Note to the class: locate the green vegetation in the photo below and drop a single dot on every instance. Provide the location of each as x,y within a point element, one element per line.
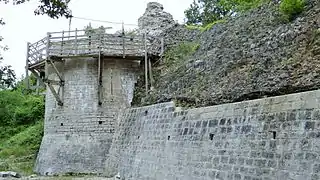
<point>173,60</point>
<point>204,12</point>
<point>21,128</point>
<point>291,8</point>
<point>239,6</point>
<point>179,53</point>
<point>206,27</point>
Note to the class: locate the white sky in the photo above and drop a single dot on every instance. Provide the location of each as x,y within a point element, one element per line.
<point>23,26</point>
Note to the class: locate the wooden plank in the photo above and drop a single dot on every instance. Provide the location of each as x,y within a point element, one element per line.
<point>55,94</point>
<point>36,65</point>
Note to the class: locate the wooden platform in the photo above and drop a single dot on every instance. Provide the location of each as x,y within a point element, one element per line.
<point>58,46</point>
<point>78,43</point>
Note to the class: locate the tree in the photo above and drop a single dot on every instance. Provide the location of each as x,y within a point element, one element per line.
<point>52,8</point>
<point>193,14</point>
<point>207,11</point>
<point>7,74</point>
<point>7,77</point>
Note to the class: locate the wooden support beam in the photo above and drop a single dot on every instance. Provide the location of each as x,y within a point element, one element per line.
<point>99,80</point>
<point>146,62</point>
<point>150,74</point>
<point>55,94</point>
<point>37,76</point>
<point>38,85</point>
<point>56,70</point>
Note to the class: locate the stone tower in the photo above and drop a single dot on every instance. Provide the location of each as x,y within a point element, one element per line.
<point>89,78</point>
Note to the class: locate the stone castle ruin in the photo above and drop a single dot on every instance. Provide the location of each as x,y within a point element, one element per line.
<point>90,78</point>
<point>91,128</point>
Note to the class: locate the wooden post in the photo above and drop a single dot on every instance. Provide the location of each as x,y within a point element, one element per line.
<point>89,43</point>
<point>150,74</point>
<point>162,47</point>
<point>61,50</point>
<point>99,80</point>
<point>47,58</point>
<point>146,61</point>
<point>27,68</point>
<point>38,85</point>
<point>76,43</point>
<point>123,41</point>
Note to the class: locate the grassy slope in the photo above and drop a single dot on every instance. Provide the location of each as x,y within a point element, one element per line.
<point>21,130</point>
<point>18,153</point>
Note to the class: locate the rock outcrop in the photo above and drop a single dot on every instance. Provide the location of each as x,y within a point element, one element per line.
<point>155,20</point>
<point>254,55</point>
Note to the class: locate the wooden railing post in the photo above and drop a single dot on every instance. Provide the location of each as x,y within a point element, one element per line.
<point>61,50</point>
<point>47,56</point>
<point>89,44</point>
<point>76,43</point>
<point>123,41</point>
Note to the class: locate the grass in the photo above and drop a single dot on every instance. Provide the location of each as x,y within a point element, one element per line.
<point>18,153</point>
<point>206,27</point>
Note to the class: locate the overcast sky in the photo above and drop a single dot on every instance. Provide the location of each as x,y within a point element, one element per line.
<point>23,26</point>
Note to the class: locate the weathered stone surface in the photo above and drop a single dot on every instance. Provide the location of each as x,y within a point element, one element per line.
<point>269,138</point>
<point>250,56</point>
<point>155,20</point>
<point>77,135</point>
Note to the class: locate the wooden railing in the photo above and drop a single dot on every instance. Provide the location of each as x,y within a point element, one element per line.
<point>80,43</point>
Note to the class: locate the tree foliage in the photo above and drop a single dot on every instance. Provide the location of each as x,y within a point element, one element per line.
<point>7,77</point>
<point>207,11</point>
<point>292,8</point>
<point>52,8</point>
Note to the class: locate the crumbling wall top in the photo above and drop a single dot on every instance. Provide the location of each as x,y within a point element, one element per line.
<point>155,20</point>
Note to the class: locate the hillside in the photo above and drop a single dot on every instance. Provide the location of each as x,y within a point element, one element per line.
<point>21,130</point>
<point>254,55</point>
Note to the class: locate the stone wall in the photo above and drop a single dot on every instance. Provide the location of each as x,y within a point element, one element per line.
<point>78,135</point>
<point>264,139</point>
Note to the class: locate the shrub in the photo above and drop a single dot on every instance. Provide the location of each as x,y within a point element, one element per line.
<point>206,27</point>
<point>291,8</point>
<point>210,25</point>
<point>178,53</point>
